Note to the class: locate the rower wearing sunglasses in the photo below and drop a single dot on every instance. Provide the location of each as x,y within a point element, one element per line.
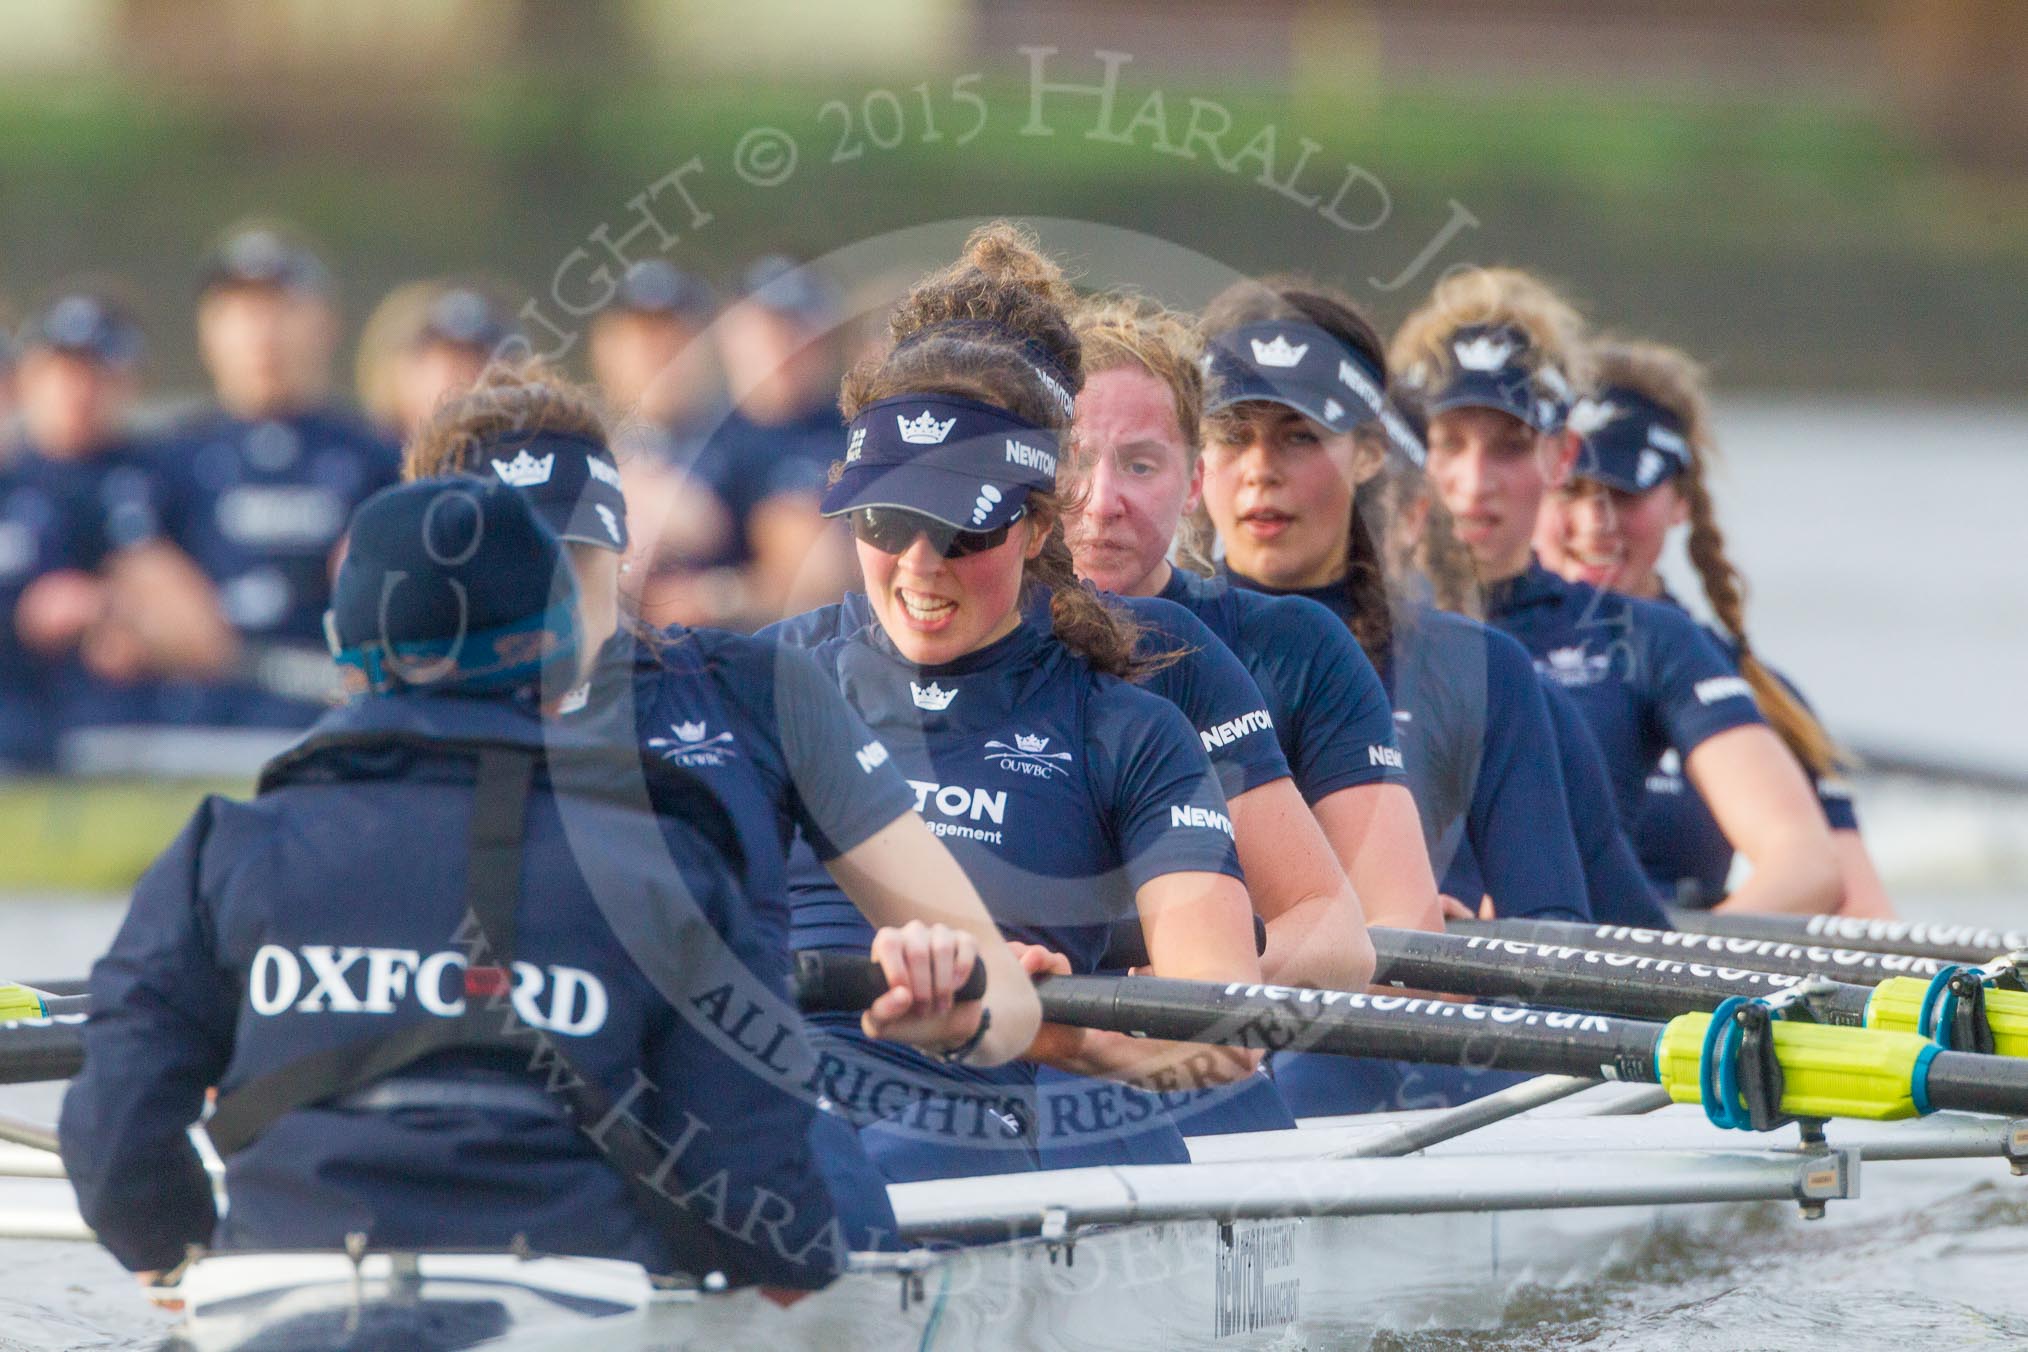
<point>1072,799</point>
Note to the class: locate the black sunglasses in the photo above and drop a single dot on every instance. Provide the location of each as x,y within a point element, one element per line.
<point>891,530</point>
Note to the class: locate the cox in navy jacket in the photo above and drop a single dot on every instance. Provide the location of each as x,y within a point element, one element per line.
<point>327,911</point>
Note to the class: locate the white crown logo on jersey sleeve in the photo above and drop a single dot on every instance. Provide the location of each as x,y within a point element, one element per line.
<point>1280,352</point>
<point>932,697</point>
<point>925,430</point>
<point>1484,353</point>
<point>524,470</point>
<point>1588,415</point>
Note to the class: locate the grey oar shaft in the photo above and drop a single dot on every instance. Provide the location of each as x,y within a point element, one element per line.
<point>1639,985</point>
<point>1778,956</point>
<point>1945,943</point>
<point>1408,1137</point>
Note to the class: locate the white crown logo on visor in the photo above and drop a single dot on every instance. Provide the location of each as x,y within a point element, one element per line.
<point>932,697</point>
<point>1279,352</point>
<point>1588,415</point>
<point>1484,353</point>
<point>925,430</point>
<point>524,470</point>
<point>1030,744</point>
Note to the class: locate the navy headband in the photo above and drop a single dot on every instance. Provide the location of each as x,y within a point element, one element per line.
<point>571,481</point>
<point>1308,368</point>
<point>1629,441</point>
<point>1051,373</point>
<point>967,464</point>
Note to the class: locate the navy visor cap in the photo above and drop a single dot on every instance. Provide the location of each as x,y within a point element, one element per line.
<point>1306,368</point>
<point>964,463</point>
<point>85,324</point>
<point>1627,440</point>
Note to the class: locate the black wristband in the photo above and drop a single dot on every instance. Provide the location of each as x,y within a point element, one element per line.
<point>952,1056</point>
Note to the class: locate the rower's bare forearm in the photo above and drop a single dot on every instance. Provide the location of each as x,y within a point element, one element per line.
<point>1320,942</point>
<point>1146,1063</point>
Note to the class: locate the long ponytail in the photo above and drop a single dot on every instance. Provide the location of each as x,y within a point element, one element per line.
<point>1676,382</point>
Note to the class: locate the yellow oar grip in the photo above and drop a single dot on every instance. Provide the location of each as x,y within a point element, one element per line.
<point>19,1002</point>
<point>1826,1071</point>
<point>1897,1002</point>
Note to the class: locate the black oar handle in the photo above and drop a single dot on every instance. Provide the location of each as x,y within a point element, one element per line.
<point>1807,958</point>
<point>1128,947</point>
<point>1974,944</point>
<point>846,983</point>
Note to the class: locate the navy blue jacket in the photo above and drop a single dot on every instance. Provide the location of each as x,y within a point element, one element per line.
<point>57,514</point>
<point>328,910</point>
<point>259,507</point>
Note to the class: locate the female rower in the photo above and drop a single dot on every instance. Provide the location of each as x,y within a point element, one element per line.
<point>376,957</point>
<point>1495,355</point>
<point>757,722</point>
<point>1641,472</point>
<point>1420,542</point>
<point>1139,476</point>
<point>1073,799</point>
<point>1296,437</point>
<point>1295,441</point>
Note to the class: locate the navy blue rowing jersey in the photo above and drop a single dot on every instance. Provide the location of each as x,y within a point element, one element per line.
<point>1058,790</point>
<point>1480,756</point>
<point>1203,678</point>
<point>1645,676</point>
<point>1680,841</point>
<point>1330,710</point>
<point>760,724</point>
<point>745,463</point>
<point>260,506</point>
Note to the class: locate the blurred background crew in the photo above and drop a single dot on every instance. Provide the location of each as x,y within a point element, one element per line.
<point>259,489</point>
<point>425,342</point>
<point>769,461</point>
<point>100,603</point>
<point>7,430</point>
<point>657,370</point>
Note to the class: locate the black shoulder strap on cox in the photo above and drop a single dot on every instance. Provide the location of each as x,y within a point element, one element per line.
<point>241,1117</point>
<point>493,893</point>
